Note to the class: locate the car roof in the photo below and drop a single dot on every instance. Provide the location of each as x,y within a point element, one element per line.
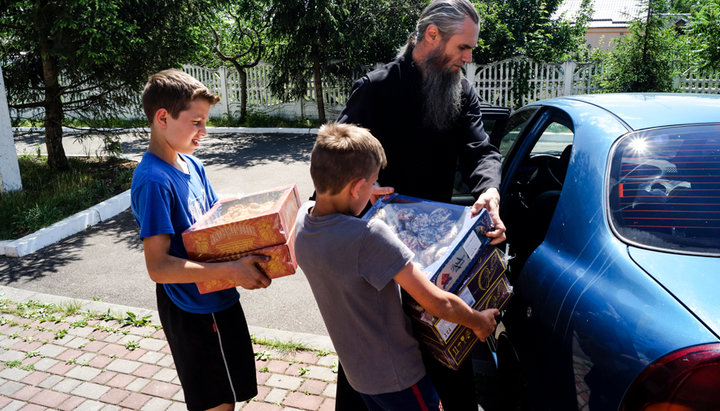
<point>646,110</point>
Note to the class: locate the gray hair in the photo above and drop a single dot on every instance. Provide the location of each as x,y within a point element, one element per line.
<point>447,15</point>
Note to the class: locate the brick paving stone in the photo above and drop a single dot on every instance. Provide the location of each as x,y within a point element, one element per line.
<point>113,350</point>
<point>135,354</point>
<point>160,389</point>
<point>321,373</point>
<point>137,385</point>
<point>277,366</point>
<point>134,401</point>
<point>14,405</point>
<point>4,401</point>
<point>90,405</point>
<point>66,385</point>
<point>294,369</point>
<point>114,396</point>
<point>262,377</point>
<point>9,388</point>
<point>302,401</point>
<point>81,331</point>
<point>167,361</point>
<point>276,396</point>
<point>14,374</point>
<point>12,355</point>
<point>50,399</point>
<point>121,380</point>
<point>94,346</point>
<point>100,361</point>
<point>284,381</point>
<point>69,354</point>
<point>261,406</point>
<point>307,357</point>
<point>176,406</point>
<point>159,334</point>
<point>85,358</point>
<point>166,349</point>
<point>25,393</point>
<point>327,405</point>
<point>165,374</point>
<point>72,403</point>
<point>60,368</point>
<point>50,381</point>
<point>32,407</point>
<point>113,338</point>
<point>330,391</point>
<point>90,390</point>
<point>44,364</point>
<point>155,404</point>
<point>83,373</point>
<point>26,346</point>
<point>123,366</point>
<point>77,342</point>
<point>51,350</point>
<point>151,357</point>
<point>146,370</point>
<point>104,377</point>
<point>152,344</point>
<point>328,360</point>
<point>262,392</point>
<point>314,387</point>
<point>35,378</point>
<point>180,396</point>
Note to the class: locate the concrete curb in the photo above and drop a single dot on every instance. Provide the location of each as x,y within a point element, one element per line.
<point>312,341</point>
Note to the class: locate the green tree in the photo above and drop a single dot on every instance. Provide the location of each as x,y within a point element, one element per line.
<point>88,58</point>
<point>325,39</point>
<point>643,60</point>
<point>512,28</point>
<point>704,35</point>
<point>240,39</point>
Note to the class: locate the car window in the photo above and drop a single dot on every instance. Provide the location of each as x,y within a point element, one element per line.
<point>553,140</point>
<point>516,124</point>
<point>665,189</point>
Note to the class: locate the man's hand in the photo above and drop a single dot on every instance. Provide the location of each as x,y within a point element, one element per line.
<point>248,274</point>
<point>378,191</point>
<point>487,325</point>
<point>490,200</point>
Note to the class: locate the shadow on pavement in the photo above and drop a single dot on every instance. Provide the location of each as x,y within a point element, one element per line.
<point>243,151</point>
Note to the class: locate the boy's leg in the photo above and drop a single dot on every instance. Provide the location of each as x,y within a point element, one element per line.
<point>455,388</point>
<point>346,398</point>
<point>213,356</point>
<point>420,397</point>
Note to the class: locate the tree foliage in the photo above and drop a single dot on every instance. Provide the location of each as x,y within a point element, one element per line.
<point>643,60</point>
<point>88,58</point>
<point>704,34</point>
<point>319,40</point>
<point>511,28</point>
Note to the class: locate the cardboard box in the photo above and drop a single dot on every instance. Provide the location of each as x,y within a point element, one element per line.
<point>485,287</point>
<point>282,262</point>
<point>446,239</point>
<point>240,224</point>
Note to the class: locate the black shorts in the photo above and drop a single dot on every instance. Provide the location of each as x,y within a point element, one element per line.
<point>212,352</point>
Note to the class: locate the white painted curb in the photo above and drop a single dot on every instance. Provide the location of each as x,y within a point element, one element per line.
<point>67,227</point>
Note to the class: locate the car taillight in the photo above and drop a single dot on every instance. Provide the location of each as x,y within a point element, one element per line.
<point>687,379</point>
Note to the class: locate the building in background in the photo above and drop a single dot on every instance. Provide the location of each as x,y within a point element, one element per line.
<point>610,19</point>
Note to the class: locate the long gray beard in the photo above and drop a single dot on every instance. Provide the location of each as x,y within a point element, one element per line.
<point>442,93</point>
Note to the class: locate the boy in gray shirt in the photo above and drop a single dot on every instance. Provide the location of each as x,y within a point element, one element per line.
<point>354,268</point>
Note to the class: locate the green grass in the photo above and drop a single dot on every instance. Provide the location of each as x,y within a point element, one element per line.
<point>47,198</point>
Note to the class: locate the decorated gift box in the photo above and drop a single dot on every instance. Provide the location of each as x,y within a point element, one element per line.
<point>445,238</point>
<point>486,287</point>
<point>281,263</point>
<point>237,225</point>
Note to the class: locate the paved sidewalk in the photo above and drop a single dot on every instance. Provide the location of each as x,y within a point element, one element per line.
<point>69,354</point>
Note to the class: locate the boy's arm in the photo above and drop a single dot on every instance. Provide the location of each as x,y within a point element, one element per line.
<point>165,268</point>
<point>445,305</point>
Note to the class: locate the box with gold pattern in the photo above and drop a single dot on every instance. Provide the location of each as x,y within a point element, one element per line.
<point>240,224</point>
<point>486,287</point>
<point>282,262</point>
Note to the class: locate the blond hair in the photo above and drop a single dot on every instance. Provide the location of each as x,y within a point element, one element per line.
<point>173,90</point>
<point>343,153</point>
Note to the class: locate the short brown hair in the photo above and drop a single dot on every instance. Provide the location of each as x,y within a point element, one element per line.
<point>173,90</point>
<point>342,153</point>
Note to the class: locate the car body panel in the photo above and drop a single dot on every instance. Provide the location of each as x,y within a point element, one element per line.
<point>697,288</point>
<point>587,317</point>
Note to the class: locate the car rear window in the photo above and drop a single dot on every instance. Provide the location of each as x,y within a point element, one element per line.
<point>665,188</point>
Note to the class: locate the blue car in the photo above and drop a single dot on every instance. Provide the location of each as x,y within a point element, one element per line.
<point>612,207</point>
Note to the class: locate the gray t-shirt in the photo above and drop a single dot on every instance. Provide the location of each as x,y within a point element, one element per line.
<point>350,264</point>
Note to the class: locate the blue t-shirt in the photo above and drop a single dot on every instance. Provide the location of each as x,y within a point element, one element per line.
<point>167,201</point>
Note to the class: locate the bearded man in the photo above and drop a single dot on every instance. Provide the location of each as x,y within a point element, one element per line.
<point>427,117</point>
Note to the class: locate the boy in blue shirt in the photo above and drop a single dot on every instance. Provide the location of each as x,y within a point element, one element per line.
<point>207,333</point>
<point>355,268</point>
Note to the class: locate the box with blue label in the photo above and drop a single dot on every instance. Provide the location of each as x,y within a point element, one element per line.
<point>445,238</point>
<point>486,286</point>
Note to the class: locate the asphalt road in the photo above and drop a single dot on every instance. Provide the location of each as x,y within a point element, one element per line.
<point>106,262</point>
